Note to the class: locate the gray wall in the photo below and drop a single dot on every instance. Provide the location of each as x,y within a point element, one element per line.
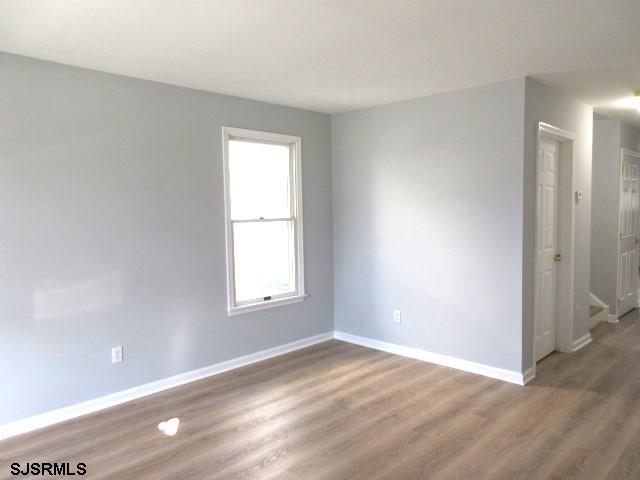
<point>609,136</point>
<point>113,233</point>
<point>427,210</point>
<point>604,209</point>
<point>542,104</point>
<point>629,137</point>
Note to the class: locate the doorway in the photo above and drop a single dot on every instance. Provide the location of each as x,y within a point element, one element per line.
<point>629,231</point>
<point>553,317</point>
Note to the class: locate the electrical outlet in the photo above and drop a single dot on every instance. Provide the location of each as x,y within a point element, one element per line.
<point>397,316</point>
<point>116,354</point>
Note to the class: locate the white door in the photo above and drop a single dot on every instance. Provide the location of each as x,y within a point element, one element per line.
<point>628,250</point>
<point>547,255</point>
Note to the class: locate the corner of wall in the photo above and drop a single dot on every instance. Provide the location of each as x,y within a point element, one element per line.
<point>545,104</point>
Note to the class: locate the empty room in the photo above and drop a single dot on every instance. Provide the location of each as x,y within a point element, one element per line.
<point>320,239</point>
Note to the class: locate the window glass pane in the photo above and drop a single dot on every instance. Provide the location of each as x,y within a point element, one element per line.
<point>264,259</point>
<point>259,180</point>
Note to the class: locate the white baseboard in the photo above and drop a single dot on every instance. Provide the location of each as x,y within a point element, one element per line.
<point>595,300</point>
<point>529,375</point>
<point>613,318</point>
<point>73,411</point>
<point>581,342</point>
<point>603,315</point>
<point>426,356</point>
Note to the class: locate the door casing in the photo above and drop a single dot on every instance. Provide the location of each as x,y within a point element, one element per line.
<point>630,153</point>
<point>566,239</point>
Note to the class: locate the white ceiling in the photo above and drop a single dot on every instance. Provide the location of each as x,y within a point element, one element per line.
<point>337,55</point>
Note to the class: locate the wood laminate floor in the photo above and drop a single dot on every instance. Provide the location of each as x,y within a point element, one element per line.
<point>338,411</point>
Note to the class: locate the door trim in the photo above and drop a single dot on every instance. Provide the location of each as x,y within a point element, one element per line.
<point>631,153</point>
<point>566,239</point>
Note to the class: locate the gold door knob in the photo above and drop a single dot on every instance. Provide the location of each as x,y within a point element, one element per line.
<point>557,257</point>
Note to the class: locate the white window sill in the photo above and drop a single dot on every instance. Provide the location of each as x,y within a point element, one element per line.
<point>254,307</point>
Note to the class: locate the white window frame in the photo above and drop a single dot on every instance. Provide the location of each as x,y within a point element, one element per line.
<point>295,165</point>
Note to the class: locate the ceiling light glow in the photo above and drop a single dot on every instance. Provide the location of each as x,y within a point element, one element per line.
<point>630,102</point>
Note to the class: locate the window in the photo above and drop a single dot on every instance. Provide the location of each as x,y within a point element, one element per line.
<point>263,208</point>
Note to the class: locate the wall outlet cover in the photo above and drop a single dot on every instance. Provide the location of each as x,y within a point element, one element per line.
<point>116,354</point>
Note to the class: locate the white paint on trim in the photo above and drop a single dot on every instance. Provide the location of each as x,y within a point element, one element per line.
<point>623,152</point>
<point>595,300</point>
<point>529,374</point>
<point>555,132</point>
<point>296,218</point>
<point>613,318</point>
<point>581,342</point>
<point>254,307</point>
<point>566,232</point>
<point>437,358</point>
<point>602,316</point>
<point>73,411</point>
<point>80,409</point>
